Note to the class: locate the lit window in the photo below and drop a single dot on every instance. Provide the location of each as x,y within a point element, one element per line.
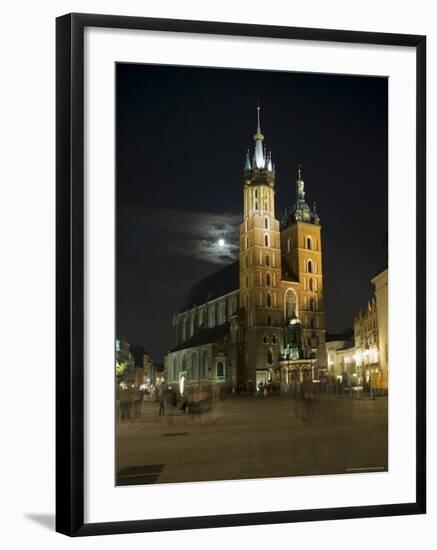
<point>205,366</point>
<point>220,370</point>
<point>194,372</point>
<point>211,316</point>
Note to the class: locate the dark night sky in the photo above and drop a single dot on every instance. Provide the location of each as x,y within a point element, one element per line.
<point>182,135</point>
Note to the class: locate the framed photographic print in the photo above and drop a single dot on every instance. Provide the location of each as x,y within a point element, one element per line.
<point>240,274</point>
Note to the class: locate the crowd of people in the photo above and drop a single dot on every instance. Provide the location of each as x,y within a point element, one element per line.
<point>129,399</point>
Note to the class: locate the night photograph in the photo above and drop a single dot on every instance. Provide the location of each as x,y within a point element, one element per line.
<point>251,274</point>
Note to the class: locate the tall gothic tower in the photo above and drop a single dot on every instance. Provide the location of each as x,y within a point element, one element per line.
<point>260,260</point>
<point>302,250</point>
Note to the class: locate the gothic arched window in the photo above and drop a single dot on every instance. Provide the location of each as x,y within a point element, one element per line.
<point>290,304</point>
<point>266,222</point>
<point>194,371</point>
<point>309,243</point>
<point>310,266</point>
<point>220,369</point>
<point>211,316</point>
<point>267,260</point>
<point>269,357</point>
<point>266,240</point>
<point>205,365</point>
<point>269,300</point>
<point>268,279</point>
<point>222,313</point>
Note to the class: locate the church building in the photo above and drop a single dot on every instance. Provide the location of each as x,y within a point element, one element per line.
<point>260,319</point>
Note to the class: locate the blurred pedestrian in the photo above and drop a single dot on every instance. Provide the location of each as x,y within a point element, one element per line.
<point>138,397</point>
<point>125,402</point>
<point>161,402</point>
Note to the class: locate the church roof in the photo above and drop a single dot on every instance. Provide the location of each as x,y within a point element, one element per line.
<point>223,281</point>
<point>207,336</point>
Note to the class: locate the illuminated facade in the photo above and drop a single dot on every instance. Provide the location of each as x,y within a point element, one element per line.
<point>260,319</point>
<point>342,361</point>
<point>367,342</point>
<point>380,282</point>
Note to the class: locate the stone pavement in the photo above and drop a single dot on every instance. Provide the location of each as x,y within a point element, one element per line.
<point>254,437</point>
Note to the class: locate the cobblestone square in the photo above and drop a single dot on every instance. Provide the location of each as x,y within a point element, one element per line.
<point>254,437</point>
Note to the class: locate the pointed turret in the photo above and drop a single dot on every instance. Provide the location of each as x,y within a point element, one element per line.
<point>300,210</point>
<point>248,164</point>
<point>269,162</point>
<point>300,193</point>
<point>315,215</point>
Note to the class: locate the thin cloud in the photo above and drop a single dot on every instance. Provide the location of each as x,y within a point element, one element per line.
<point>204,236</point>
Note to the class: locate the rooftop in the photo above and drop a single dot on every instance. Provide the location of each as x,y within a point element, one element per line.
<point>223,281</point>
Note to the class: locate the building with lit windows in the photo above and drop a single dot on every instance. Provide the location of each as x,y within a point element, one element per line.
<point>380,282</point>
<point>367,342</point>
<point>260,319</point>
<point>341,355</point>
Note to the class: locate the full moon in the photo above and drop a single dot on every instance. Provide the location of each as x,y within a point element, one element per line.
<point>221,242</point>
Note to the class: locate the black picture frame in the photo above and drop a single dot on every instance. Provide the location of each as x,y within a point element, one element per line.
<point>70,273</point>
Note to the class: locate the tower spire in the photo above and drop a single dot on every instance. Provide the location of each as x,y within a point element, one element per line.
<point>260,160</point>
<point>300,193</point>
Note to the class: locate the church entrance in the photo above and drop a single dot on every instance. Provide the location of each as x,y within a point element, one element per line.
<point>262,376</point>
